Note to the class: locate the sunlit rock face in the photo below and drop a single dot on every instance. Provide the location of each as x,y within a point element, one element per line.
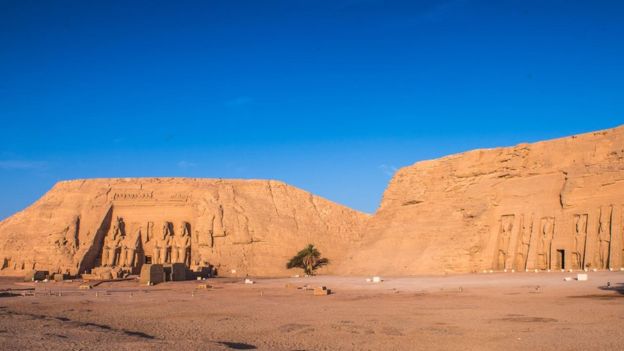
<point>239,227</point>
<point>548,205</point>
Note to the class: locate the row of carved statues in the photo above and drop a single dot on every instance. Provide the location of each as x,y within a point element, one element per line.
<point>122,249</point>
<point>544,242</point>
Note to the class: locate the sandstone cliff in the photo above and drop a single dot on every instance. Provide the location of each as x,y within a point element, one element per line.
<point>546,205</point>
<point>240,226</point>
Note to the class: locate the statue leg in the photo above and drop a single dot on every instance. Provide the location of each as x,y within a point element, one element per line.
<point>163,255</point>
<point>104,262</point>
<point>186,257</point>
<point>111,257</point>
<point>174,255</point>
<point>130,257</point>
<point>122,257</point>
<point>116,257</point>
<point>578,259</point>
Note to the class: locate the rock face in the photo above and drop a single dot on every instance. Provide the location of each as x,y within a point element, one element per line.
<point>238,226</point>
<point>549,205</point>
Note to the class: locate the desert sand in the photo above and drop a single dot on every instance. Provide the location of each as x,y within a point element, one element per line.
<point>471,247</point>
<point>510,311</point>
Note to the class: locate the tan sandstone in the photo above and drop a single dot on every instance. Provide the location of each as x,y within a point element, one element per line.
<point>238,227</point>
<point>550,205</point>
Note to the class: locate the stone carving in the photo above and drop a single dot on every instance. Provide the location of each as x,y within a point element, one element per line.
<point>132,195</point>
<point>556,178</point>
<point>130,244</point>
<point>212,224</point>
<point>580,240</point>
<point>182,197</point>
<point>504,238</point>
<point>150,232</point>
<point>217,228</point>
<point>450,229</point>
<point>604,237</point>
<point>182,245</point>
<point>524,243</point>
<point>124,250</point>
<point>112,244</point>
<point>162,245</point>
<point>544,251</point>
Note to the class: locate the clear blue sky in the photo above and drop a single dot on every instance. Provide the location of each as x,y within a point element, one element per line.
<point>330,96</point>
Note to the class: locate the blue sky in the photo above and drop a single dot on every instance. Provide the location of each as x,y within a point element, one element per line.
<point>330,96</point>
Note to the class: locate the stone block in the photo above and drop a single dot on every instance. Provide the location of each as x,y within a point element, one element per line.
<point>581,277</point>
<point>321,291</point>
<point>178,272</point>
<point>59,277</point>
<point>106,273</point>
<point>152,273</point>
<point>89,276</point>
<point>377,280</point>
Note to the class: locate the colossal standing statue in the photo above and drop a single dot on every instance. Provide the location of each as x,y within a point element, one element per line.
<point>580,235</point>
<point>184,245</point>
<point>130,244</point>
<point>546,236</point>
<point>162,244</point>
<point>504,238</point>
<point>604,235</point>
<point>110,253</point>
<point>525,243</point>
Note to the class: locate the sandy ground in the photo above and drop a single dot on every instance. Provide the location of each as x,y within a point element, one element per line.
<point>511,311</point>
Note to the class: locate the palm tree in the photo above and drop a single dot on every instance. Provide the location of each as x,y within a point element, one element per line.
<point>309,259</point>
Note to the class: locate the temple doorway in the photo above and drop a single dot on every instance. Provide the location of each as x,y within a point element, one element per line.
<point>560,259</point>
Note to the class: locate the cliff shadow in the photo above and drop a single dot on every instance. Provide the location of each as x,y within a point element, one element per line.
<point>90,258</point>
<point>618,288</point>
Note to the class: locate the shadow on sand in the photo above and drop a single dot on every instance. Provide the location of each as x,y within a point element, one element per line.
<point>237,345</point>
<point>618,287</point>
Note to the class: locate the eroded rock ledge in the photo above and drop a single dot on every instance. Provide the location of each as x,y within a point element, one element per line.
<point>239,226</point>
<point>548,205</point>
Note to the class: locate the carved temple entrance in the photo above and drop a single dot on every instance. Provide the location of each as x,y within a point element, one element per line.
<point>560,260</point>
<point>125,248</point>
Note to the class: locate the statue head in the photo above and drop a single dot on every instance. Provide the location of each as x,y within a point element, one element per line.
<point>183,229</point>
<point>165,230</point>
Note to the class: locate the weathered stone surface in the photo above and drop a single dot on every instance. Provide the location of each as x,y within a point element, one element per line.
<point>321,291</point>
<point>152,274</point>
<point>549,205</point>
<point>178,272</point>
<point>245,226</point>
<point>531,206</point>
<point>59,277</point>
